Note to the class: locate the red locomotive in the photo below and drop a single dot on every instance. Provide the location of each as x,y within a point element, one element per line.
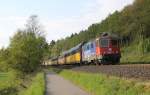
<point>107,49</point>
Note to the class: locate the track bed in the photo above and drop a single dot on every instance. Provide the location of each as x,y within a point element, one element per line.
<point>137,71</point>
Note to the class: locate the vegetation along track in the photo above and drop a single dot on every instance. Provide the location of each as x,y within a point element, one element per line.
<point>137,71</point>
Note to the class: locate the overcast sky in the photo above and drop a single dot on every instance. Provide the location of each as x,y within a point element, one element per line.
<point>60,18</point>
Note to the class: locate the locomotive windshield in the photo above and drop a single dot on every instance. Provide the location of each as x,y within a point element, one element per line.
<point>114,43</point>
<point>104,42</point>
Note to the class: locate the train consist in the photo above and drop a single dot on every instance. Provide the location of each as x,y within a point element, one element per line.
<point>102,50</point>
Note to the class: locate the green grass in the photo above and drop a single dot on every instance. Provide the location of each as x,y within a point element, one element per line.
<point>37,86</point>
<point>8,79</point>
<point>99,84</point>
<point>131,54</point>
<point>8,83</point>
<point>135,58</point>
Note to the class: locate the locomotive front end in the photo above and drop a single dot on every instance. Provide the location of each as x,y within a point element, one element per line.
<point>107,49</point>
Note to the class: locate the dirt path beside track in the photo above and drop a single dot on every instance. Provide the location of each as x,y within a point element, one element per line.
<point>56,85</point>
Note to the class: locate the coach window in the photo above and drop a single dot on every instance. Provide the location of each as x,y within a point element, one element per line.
<point>84,48</point>
<point>92,45</point>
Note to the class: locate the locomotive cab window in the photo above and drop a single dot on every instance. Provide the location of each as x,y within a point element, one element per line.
<point>104,42</point>
<point>97,43</point>
<point>114,43</point>
<point>88,47</point>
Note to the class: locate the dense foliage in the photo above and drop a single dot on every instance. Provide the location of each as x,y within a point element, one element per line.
<point>27,47</point>
<point>4,60</point>
<point>131,24</point>
<point>26,50</point>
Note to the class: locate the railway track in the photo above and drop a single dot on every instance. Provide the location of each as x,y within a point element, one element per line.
<point>126,71</point>
<point>136,71</point>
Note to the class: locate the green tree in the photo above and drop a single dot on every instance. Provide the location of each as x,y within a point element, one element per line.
<point>28,46</point>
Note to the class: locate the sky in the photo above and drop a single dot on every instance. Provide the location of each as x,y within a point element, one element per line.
<point>59,18</point>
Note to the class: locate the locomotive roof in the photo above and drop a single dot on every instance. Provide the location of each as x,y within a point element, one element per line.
<point>109,35</point>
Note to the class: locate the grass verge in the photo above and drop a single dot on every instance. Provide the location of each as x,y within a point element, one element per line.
<point>99,84</point>
<point>135,58</point>
<point>37,86</point>
<point>9,83</point>
<point>131,55</point>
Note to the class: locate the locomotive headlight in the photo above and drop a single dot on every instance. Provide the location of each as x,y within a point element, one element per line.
<point>110,49</point>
